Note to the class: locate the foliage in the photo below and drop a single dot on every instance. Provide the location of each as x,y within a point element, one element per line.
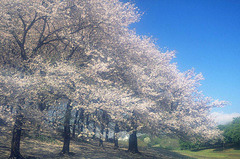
<point>199,144</point>
<point>188,145</point>
<point>231,132</point>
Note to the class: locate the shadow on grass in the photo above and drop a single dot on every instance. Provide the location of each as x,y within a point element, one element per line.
<point>235,147</point>
<point>165,152</point>
<point>35,149</point>
<point>219,149</point>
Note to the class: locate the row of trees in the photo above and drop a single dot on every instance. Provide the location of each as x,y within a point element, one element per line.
<point>59,56</point>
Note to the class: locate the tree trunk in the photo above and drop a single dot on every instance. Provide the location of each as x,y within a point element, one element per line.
<point>94,124</point>
<point>133,147</point>
<point>94,130</point>
<point>116,131</point>
<point>81,118</point>
<point>101,135</point>
<point>106,138</point>
<point>74,125</point>
<point>66,134</point>
<point>115,138</point>
<point>87,121</point>
<point>16,137</point>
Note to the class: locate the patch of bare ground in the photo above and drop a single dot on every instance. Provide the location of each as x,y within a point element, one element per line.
<point>81,150</point>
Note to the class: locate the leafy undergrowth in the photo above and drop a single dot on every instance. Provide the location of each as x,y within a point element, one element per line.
<point>82,150</point>
<point>230,153</point>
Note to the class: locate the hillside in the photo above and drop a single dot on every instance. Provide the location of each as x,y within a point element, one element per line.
<point>50,148</point>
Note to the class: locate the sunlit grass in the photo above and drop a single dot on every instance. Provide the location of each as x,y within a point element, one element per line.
<point>212,154</point>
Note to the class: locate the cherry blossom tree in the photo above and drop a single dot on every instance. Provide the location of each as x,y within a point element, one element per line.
<point>58,29</point>
<point>170,96</point>
<point>83,53</point>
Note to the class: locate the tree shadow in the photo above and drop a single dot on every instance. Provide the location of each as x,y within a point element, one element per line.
<point>34,149</point>
<point>219,149</point>
<point>237,147</point>
<point>171,154</point>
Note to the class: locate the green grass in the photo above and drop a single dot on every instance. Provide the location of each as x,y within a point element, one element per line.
<point>212,153</point>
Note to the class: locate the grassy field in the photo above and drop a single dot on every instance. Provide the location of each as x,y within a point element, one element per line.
<point>212,153</point>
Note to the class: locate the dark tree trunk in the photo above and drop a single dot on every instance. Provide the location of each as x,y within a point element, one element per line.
<point>87,121</point>
<point>74,125</point>
<point>16,137</point>
<point>81,118</point>
<point>116,141</point>
<point>106,138</point>
<point>133,146</point>
<point>94,130</point>
<point>67,132</point>
<point>94,124</point>
<point>16,133</point>
<point>101,135</point>
<point>116,131</point>
<point>78,126</point>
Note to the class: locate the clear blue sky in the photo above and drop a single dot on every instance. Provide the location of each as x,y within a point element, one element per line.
<point>205,35</point>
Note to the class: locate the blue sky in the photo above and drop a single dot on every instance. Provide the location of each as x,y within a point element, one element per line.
<point>205,35</point>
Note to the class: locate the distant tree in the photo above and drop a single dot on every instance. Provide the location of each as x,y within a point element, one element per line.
<point>231,132</point>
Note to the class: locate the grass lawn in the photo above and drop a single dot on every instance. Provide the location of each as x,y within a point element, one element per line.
<point>212,153</point>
